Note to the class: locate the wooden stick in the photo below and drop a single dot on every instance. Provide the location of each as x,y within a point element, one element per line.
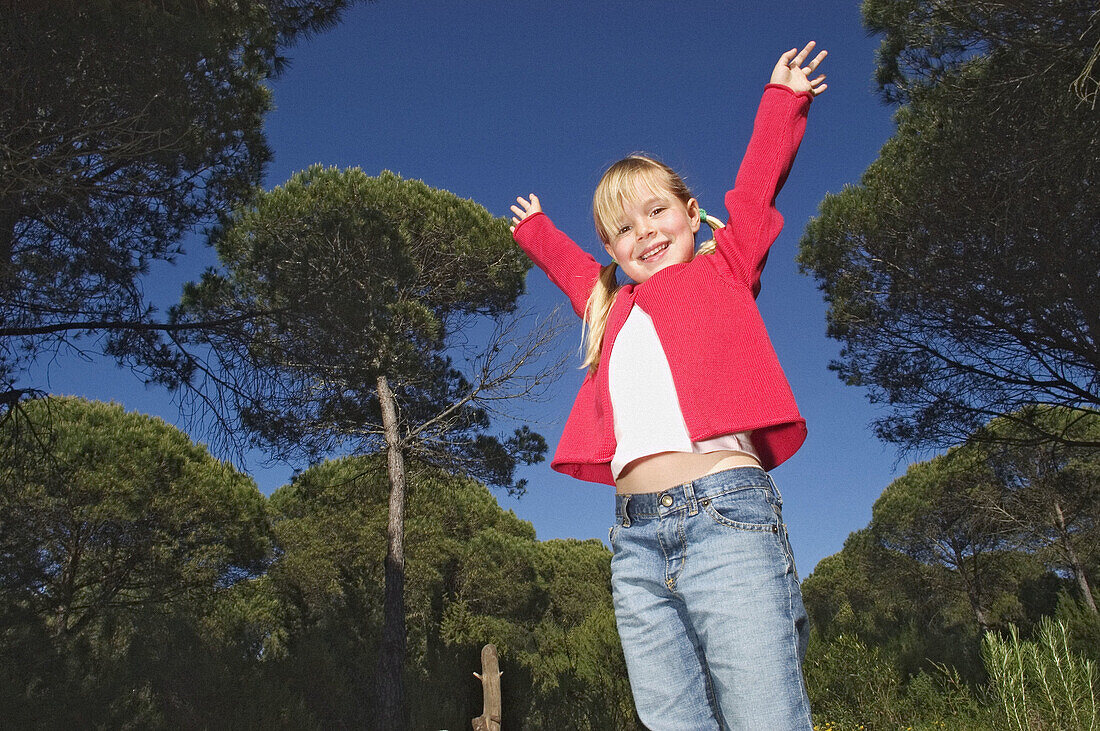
<point>489,720</point>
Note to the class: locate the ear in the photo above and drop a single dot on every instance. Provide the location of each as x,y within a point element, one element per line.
<point>607,248</point>
<point>693,214</point>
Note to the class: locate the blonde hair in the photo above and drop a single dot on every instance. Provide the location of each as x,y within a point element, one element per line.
<point>616,190</point>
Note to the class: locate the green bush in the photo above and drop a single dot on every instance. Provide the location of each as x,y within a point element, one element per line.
<point>1043,684</point>
<point>854,687</point>
<point>1082,625</point>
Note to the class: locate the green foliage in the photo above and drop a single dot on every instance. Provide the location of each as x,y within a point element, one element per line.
<point>926,43</point>
<point>361,277</point>
<point>113,150</point>
<point>202,632</point>
<point>117,535</point>
<point>120,510</point>
<point>856,686</point>
<point>886,599</point>
<point>404,256</point>
<point>980,538</point>
<point>844,676</point>
<point>1037,684</point>
<point>1042,684</point>
<point>352,293</point>
<point>561,632</point>
<point>991,535</point>
<point>988,186</point>
<point>135,593</point>
<point>475,574</point>
<point>937,514</point>
<point>1082,625</point>
<point>996,535</point>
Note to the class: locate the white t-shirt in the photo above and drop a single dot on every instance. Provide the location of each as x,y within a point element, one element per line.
<point>647,412</point>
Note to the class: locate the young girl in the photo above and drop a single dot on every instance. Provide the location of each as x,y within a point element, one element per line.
<point>683,408</point>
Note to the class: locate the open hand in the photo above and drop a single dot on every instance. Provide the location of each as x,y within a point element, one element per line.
<point>791,72</point>
<point>524,209</point>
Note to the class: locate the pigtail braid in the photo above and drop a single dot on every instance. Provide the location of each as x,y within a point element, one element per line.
<point>596,311</point>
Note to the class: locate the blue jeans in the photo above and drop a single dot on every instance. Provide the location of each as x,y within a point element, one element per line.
<point>708,605</point>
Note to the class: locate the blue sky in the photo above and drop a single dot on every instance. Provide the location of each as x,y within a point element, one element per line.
<point>491,100</point>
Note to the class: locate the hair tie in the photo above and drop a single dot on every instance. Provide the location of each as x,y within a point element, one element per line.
<point>702,216</point>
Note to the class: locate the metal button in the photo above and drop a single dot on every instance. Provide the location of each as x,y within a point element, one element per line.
<point>705,502</point>
<point>626,522</point>
<point>666,500</point>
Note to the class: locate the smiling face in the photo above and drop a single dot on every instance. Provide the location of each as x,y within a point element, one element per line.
<point>653,229</point>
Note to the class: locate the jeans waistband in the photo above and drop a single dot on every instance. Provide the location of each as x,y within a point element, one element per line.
<point>674,499</point>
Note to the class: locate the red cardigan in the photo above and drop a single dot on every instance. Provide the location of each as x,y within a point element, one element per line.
<point>726,373</point>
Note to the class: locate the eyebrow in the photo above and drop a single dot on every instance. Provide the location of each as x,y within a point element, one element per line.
<point>649,202</point>
<point>619,222</point>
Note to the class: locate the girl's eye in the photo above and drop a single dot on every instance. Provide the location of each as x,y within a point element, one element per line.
<point>657,210</point>
<point>623,229</point>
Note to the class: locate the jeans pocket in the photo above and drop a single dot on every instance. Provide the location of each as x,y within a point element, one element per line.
<point>747,509</point>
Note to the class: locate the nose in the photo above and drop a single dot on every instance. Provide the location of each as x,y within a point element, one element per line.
<point>643,228</point>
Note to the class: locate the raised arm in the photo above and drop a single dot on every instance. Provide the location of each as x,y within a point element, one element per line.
<point>754,221</point>
<point>569,266</point>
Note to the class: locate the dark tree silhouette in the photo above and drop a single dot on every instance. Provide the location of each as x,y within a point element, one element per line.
<point>962,272</point>
<point>123,126</point>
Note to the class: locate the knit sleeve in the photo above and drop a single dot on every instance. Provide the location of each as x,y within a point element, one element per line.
<point>754,222</point>
<point>569,266</point>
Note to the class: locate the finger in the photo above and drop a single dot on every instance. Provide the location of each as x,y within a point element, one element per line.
<point>518,211</point>
<point>785,59</point>
<point>804,53</point>
<point>817,61</point>
<point>522,201</point>
<point>818,80</point>
<point>534,199</point>
<point>818,89</point>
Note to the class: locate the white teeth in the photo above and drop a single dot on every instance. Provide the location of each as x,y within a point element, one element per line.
<point>658,250</point>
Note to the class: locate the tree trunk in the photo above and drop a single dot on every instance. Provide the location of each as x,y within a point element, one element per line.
<point>9,217</point>
<point>389,677</point>
<point>1075,560</point>
<point>970,573</point>
<point>68,581</point>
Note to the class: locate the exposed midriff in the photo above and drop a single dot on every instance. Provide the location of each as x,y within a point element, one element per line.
<point>657,472</point>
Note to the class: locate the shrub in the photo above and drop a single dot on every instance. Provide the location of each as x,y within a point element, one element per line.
<point>1043,684</point>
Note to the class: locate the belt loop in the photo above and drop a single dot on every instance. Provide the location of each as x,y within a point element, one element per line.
<point>775,489</point>
<point>626,510</point>
<point>689,498</point>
